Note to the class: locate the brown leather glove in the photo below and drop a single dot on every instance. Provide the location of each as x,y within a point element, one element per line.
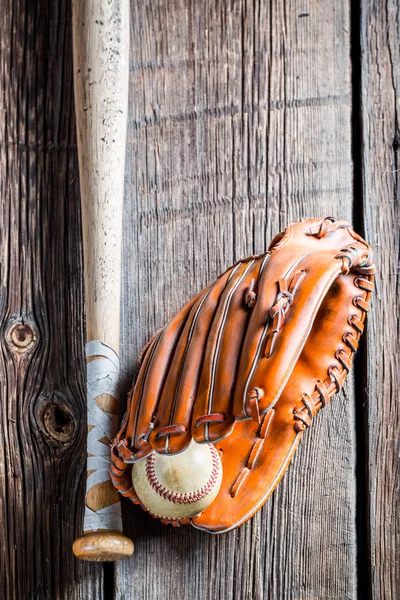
<point>249,362</point>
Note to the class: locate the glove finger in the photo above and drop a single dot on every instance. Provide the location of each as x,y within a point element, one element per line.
<point>143,403</point>
<point>272,349</point>
<point>213,415</point>
<point>172,431</point>
<point>289,296</point>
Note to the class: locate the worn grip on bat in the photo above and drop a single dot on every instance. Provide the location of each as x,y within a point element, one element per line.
<point>101,69</point>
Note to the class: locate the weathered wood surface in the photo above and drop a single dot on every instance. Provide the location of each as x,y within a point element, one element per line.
<point>380,98</point>
<point>241,120</point>
<point>43,408</point>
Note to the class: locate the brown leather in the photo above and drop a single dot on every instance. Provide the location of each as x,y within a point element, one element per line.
<point>249,362</point>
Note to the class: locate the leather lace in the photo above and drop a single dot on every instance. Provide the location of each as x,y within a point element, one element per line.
<point>312,403</point>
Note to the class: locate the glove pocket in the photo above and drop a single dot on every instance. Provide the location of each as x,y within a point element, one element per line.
<point>254,459</point>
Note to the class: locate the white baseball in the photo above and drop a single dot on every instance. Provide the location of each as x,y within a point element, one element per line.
<point>181,485</point>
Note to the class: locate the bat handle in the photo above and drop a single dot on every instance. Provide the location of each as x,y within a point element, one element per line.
<point>101,68</point>
<point>103,539</point>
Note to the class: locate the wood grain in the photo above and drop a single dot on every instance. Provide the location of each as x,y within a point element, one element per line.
<point>42,415</point>
<point>101,54</point>
<point>240,122</point>
<point>380,97</point>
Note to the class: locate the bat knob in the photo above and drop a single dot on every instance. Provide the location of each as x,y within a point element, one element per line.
<point>103,546</point>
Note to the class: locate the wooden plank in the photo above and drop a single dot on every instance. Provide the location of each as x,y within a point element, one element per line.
<point>240,122</point>
<point>42,399</point>
<point>380,97</point>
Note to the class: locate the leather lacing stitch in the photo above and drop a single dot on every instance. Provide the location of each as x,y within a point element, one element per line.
<point>279,310</point>
<point>120,447</point>
<point>123,451</point>
<point>254,453</point>
<point>211,418</point>
<point>276,314</point>
<point>143,438</point>
<point>119,476</point>
<point>171,430</point>
<point>327,226</point>
<point>324,391</point>
<point>355,259</point>
<point>251,296</point>
<point>253,398</point>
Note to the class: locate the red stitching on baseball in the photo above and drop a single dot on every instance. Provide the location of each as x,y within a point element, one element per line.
<point>176,497</point>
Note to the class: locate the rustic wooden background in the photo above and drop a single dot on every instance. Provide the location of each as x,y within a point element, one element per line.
<point>245,115</point>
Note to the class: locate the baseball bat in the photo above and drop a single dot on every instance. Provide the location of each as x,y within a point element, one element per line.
<point>100,31</point>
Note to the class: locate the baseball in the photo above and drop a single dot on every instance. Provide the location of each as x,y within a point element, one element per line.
<point>181,485</point>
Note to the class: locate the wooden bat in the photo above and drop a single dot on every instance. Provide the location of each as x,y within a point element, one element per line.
<point>101,68</point>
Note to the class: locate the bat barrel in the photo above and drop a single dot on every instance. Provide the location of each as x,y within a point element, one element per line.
<point>101,69</point>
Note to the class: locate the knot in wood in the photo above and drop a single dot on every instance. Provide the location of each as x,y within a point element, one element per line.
<point>21,337</point>
<point>55,418</point>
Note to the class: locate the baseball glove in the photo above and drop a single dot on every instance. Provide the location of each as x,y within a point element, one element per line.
<point>248,363</point>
